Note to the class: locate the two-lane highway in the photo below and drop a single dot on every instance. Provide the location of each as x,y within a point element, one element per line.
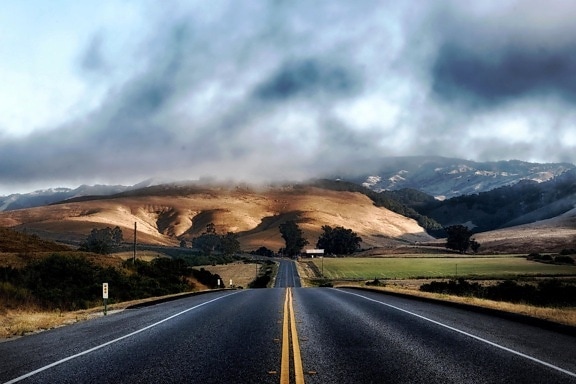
<point>292,335</point>
<point>287,275</point>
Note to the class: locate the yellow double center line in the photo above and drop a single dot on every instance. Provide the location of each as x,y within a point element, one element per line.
<point>289,332</point>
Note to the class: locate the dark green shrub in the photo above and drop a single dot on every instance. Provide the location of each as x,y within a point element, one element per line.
<point>375,283</point>
<point>564,259</point>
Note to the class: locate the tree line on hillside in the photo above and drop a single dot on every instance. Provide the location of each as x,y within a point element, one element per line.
<point>338,240</point>
<point>344,241</point>
<point>334,241</point>
<point>506,206</point>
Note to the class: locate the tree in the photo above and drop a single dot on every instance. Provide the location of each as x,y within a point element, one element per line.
<point>474,245</point>
<point>293,237</point>
<point>103,241</point>
<point>339,240</point>
<point>117,236</point>
<point>459,238</point>
<point>263,251</point>
<point>210,228</point>
<point>210,241</point>
<point>229,243</point>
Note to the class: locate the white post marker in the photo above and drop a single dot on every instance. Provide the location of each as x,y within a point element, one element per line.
<point>105,297</point>
<point>105,290</point>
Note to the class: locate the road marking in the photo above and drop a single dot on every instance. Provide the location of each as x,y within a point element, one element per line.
<point>289,331</point>
<point>573,374</point>
<point>298,371</point>
<point>29,374</point>
<point>285,364</point>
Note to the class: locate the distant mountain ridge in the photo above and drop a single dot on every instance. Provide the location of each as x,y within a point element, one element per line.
<point>540,215</point>
<point>440,177</point>
<point>55,195</point>
<point>444,178</point>
<point>524,202</point>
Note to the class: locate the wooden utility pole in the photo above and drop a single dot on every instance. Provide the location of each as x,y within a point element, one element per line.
<point>134,257</point>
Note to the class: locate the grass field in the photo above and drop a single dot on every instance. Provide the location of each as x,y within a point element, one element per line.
<point>437,267</point>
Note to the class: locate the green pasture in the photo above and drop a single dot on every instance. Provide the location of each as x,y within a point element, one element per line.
<point>437,267</point>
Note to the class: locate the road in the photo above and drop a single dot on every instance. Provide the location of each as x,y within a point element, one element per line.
<point>287,275</point>
<point>292,335</point>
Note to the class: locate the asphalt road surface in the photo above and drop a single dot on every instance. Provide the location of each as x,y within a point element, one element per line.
<point>292,335</point>
<point>287,275</point>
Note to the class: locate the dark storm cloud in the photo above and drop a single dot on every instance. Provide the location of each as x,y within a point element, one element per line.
<point>143,127</point>
<point>308,78</point>
<point>131,118</point>
<point>293,89</point>
<point>492,55</point>
<point>506,73</point>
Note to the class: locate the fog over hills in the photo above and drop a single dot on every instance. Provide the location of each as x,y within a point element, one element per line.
<point>509,203</point>
<point>440,177</point>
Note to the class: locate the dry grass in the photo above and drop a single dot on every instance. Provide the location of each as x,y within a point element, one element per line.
<point>551,235</point>
<point>20,322</point>
<point>254,215</point>
<point>566,316</point>
<point>241,274</point>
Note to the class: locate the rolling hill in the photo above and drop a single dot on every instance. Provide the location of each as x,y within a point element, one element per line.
<point>549,235</point>
<point>166,214</point>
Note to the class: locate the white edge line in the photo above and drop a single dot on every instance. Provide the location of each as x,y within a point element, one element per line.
<point>29,374</point>
<point>467,334</point>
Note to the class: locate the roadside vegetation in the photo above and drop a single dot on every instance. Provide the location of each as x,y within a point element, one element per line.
<point>71,282</point>
<point>44,284</point>
<point>545,293</point>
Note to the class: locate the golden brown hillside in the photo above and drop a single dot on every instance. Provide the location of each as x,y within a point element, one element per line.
<point>551,235</point>
<point>13,241</point>
<point>183,213</point>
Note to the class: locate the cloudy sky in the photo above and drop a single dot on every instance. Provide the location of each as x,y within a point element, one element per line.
<point>115,91</point>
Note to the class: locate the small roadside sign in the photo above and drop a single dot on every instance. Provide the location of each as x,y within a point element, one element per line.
<point>105,297</point>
